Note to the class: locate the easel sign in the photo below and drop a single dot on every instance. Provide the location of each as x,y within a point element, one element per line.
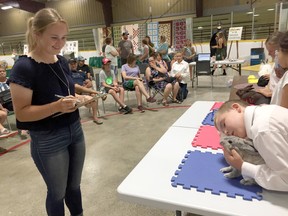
<point>235,34</point>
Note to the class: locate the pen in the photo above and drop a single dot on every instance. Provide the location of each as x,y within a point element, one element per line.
<point>59,96</point>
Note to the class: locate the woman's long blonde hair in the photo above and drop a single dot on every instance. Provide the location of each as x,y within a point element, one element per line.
<point>39,23</point>
<point>221,35</point>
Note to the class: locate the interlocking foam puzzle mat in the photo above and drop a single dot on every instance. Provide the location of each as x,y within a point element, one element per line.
<point>207,137</point>
<point>201,171</point>
<point>209,119</point>
<point>216,105</point>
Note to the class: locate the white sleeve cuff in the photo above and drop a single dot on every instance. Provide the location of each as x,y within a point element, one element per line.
<point>249,170</point>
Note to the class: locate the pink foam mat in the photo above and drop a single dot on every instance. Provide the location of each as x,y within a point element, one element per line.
<point>216,105</point>
<point>207,137</point>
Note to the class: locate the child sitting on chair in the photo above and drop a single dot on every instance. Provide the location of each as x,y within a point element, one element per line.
<point>109,83</point>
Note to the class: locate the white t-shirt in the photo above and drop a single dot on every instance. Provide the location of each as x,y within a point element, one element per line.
<point>277,92</point>
<point>113,59</point>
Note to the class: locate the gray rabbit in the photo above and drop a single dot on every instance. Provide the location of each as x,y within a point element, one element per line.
<point>246,150</point>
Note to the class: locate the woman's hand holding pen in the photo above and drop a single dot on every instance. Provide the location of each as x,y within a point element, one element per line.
<point>65,104</point>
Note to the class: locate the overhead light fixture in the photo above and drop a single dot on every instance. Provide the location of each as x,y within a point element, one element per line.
<point>256,14</point>
<point>200,27</point>
<point>6,7</point>
<point>270,9</point>
<point>250,12</point>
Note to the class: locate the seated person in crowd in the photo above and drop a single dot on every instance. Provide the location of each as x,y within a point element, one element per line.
<point>79,77</point>
<point>85,93</point>
<point>158,78</point>
<point>6,103</point>
<point>280,92</point>
<point>267,127</point>
<point>4,132</point>
<point>160,61</point>
<point>82,67</point>
<point>180,70</point>
<point>81,93</point>
<point>109,83</point>
<point>132,81</point>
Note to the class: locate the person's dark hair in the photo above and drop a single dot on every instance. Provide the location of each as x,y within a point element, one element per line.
<point>149,42</point>
<point>108,40</point>
<point>38,24</point>
<point>131,58</point>
<point>144,42</point>
<point>156,54</point>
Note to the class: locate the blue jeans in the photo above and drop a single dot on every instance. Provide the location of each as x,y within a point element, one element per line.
<point>59,156</point>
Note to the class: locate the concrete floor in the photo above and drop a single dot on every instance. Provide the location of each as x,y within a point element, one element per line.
<point>113,150</point>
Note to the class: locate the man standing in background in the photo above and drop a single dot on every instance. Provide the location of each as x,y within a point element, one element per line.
<point>125,48</point>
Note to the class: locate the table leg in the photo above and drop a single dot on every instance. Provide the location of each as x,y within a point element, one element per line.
<point>178,213</point>
<point>239,69</point>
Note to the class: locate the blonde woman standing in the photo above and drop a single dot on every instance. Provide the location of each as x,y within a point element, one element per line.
<point>57,142</point>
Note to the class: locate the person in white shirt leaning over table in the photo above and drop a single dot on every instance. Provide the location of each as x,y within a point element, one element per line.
<point>267,126</point>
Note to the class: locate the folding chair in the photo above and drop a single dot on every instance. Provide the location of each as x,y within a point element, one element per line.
<point>154,90</point>
<point>7,120</point>
<point>98,88</point>
<point>203,68</point>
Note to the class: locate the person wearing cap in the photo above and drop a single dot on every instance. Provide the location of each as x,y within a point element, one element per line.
<point>81,66</point>
<point>111,53</point>
<point>83,86</point>
<point>110,84</point>
<point>125,47</point>
<point>79,76</point>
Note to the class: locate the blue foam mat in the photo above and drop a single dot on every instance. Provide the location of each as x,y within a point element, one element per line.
<point>201,171</point>
<point>209,119</point>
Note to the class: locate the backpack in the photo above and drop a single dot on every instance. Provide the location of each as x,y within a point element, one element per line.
<point>182,93</point>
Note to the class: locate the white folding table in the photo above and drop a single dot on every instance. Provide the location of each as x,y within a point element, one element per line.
<point>149,183</point>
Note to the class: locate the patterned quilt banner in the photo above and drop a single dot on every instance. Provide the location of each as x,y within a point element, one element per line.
<point>179,32</point>
<point>152,32</point>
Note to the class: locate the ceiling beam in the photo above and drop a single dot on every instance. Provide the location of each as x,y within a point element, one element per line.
<point>199,8</point>
<point>107,11</point>
<point>26,5</point>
